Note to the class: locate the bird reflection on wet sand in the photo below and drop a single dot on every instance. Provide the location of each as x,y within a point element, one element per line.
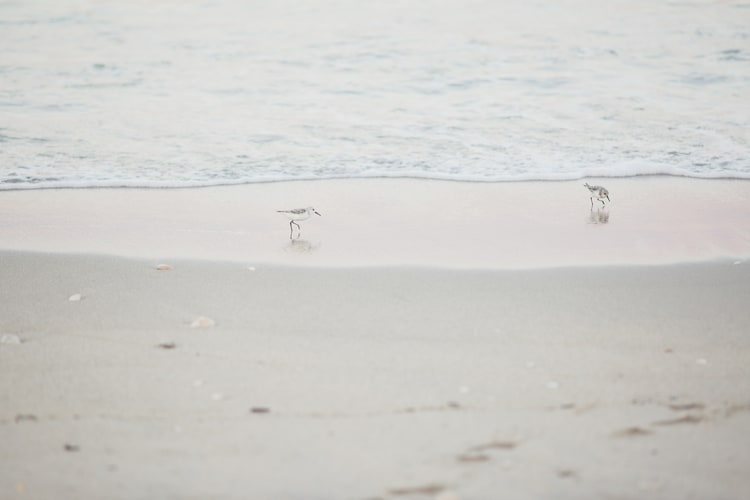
<point>598,217</point>
<point>300,247</point>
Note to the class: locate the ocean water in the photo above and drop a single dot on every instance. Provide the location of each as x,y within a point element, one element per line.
<point>169,93</point>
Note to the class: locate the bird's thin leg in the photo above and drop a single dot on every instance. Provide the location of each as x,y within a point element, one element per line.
<point>291,230</point>
<point>591,199</point>
<point>602,203</point>
<point>299,229</point>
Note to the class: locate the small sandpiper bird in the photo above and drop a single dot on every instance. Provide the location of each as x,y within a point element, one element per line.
<point>297,214</point>
<point>600,193</point>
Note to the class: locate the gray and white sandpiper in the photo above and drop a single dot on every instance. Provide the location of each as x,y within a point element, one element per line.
<point>297,214</point>
<point>597,192</point>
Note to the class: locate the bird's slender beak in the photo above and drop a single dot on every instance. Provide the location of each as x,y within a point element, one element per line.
<point>316,212</point>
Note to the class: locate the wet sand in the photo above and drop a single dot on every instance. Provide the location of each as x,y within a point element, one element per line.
<point>394,222</point>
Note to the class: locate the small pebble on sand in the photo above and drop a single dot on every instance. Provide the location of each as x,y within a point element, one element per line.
<point>75,297</point>
<point>163,267</point>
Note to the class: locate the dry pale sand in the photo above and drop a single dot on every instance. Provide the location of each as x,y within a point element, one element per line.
<point>484,376</point>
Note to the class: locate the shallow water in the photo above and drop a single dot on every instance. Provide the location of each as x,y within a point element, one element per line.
<point>104,93</point>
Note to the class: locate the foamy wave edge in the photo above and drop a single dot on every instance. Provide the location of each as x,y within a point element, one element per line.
<point>547,177</point>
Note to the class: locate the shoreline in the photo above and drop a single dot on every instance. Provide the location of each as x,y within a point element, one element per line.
<point>735,176</point>
<point>394,222</point>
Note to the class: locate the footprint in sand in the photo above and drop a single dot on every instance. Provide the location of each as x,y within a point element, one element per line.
<point>429,489</point>
<point>479,453</point>
<point>632,432</point>
<point>687,419</point>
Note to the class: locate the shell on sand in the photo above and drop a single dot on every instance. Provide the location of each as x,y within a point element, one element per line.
<point>75,297</point>
<point>202,322</point>
<point>163,267</point>
<point>10,339</point>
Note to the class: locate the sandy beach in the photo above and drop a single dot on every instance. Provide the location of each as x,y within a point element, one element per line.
<point>420,339</point>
